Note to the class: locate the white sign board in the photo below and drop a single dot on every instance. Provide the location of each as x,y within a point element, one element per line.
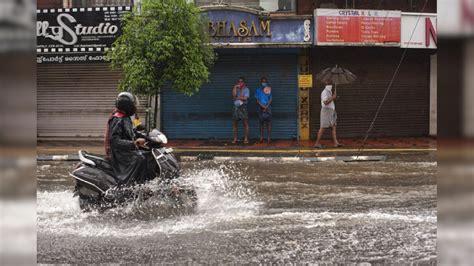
<point>417,30</point>
<point>456,18</point>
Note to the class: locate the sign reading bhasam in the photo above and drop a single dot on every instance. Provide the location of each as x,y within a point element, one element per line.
<point>241,29</point>
<point>234,27</point>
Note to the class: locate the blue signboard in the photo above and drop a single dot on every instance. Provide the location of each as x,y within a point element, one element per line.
<point>239,27</point>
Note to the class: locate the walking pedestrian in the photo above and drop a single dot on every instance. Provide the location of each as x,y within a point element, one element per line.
<point>328,115</point>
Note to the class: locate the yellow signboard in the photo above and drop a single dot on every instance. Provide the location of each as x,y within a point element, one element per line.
<point>305,81</point>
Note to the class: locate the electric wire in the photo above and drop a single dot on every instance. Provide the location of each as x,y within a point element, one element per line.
<point>379,108</point>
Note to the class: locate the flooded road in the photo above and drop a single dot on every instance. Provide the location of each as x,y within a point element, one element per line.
<point>255,212</point>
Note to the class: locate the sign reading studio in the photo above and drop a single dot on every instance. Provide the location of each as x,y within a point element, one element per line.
<point>77,35</point>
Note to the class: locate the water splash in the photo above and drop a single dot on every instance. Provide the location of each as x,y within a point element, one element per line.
<point>221,192</point>
<point>222,189</point>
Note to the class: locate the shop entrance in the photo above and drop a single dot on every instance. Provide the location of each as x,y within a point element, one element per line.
<point>406,110</point>
<point>208,114</point>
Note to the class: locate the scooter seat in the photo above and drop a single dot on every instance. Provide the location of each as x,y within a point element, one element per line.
<point>97,161</point>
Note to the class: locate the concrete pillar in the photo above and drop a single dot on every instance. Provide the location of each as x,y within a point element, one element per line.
<point>468,89</point>
<point>303,97</point>
<point>434,95</point>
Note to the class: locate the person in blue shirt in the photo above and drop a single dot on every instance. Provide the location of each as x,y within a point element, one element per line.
<point>240,95</point>
<point>264,102</point>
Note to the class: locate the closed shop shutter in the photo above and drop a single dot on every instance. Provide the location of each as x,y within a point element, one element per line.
<point>406,109</point>
<point>208,114</point>
<point>75,100</point>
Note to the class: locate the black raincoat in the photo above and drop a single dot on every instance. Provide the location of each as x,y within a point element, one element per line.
<point>128,163</point>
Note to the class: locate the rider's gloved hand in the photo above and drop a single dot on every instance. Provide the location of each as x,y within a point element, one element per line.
<point>140,142</point>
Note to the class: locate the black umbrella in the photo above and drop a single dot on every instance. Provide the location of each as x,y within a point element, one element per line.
<point>336,75</point>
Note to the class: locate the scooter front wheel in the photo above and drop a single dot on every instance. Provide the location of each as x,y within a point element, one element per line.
<point>86,204</point>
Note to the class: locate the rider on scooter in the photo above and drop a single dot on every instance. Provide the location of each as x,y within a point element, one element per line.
<point>121,144</point>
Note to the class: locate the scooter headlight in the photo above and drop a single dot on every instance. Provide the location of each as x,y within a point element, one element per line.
<point>163,139</point>
<point>158,137</point>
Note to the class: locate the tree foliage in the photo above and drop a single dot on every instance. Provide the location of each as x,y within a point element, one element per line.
<point>165,44</point>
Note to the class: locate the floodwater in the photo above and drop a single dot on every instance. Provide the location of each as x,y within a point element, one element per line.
<point>255,212</point>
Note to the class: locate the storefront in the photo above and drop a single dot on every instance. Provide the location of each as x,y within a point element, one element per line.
<point>208,114</point>
<point>370,44</point>
<point>76,88</point>
<point>250,44</point>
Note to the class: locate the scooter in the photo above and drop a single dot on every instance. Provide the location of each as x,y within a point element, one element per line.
<point>97,188</point>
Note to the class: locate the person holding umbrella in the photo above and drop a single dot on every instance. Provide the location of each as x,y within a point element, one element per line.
<point>328,115</point>
<point>333,75</point>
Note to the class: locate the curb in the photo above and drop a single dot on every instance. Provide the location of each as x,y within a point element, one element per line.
<point>300,151</point>
<point>46,158</point>
<point>305,159</point>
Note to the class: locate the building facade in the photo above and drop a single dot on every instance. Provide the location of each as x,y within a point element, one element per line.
<point>252,44</point>
<point>389,51</point>
<point>284,41</point>
<point>76,88</point>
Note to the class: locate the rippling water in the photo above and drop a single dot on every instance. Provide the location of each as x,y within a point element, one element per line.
<point>378,212</point>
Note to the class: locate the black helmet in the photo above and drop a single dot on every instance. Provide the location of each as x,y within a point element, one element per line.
<point>127,103</point>
<point>130,96</point>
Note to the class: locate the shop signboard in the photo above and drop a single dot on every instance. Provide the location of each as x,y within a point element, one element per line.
<point>419,31</point>
<point>343,27</point>
<point>82,35</point>
<point>77,35</point>
<point>230,27</point>
<point>305,81</point>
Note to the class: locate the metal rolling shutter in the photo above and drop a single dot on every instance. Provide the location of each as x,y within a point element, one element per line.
<point>75,100</point>
<point>406,108</point>
<point>208,114</point>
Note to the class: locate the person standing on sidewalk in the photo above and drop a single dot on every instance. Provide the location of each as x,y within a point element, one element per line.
<point>264,101</point>
<point>240,95</point>
<point>328,115</point>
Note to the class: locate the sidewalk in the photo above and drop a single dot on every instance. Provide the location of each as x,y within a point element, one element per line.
<point>277,148</point>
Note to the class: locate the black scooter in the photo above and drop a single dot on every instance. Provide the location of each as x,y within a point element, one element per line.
<point>97,188</point>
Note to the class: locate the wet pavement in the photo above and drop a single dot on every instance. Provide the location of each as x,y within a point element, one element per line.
<point>255,212</point>
<point>276,147</point>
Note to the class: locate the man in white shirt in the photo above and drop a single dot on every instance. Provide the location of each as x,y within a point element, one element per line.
<point>328,115</point>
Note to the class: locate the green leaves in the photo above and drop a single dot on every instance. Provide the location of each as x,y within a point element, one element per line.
<point>166,44</point>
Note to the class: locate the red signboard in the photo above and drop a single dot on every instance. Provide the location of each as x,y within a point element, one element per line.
<point>357,27</point>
